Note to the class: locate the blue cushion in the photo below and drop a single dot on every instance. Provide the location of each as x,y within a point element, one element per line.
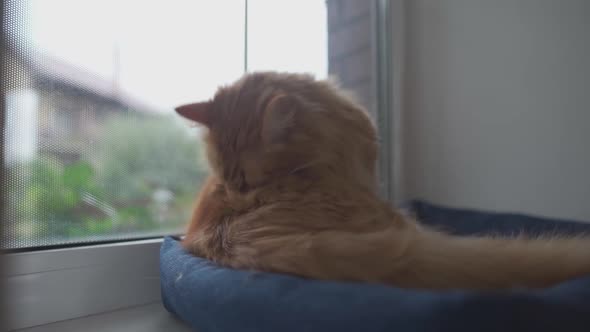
<point>213,298</point>
<point>467,222</point>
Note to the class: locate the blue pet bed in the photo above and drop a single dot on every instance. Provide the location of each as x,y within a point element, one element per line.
<point>213,298</point>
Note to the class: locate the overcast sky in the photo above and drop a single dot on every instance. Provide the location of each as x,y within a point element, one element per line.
<point>178,51</point>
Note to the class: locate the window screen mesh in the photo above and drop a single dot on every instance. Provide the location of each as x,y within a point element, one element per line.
<point>93,149</point>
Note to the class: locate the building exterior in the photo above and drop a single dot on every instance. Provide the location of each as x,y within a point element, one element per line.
<point>54,108</point>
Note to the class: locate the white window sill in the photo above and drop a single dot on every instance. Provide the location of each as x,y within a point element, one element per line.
<point>50,286</point>
<point>145,318</point>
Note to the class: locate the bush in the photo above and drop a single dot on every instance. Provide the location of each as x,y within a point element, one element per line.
<point>140,177</point>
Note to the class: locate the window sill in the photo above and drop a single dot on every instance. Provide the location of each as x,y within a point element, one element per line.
<point>145,318</point>
<point>49,286</point>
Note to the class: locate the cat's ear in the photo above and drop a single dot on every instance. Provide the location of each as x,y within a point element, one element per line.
<point>198,112</point>
<point>279,117</point>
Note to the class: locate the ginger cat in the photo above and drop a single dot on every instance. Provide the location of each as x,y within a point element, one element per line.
<point>293,190</point>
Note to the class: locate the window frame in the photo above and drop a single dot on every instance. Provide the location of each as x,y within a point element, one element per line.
<point>387,96</point>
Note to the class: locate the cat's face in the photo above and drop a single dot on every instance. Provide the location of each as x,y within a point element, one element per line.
<point>270,125</point>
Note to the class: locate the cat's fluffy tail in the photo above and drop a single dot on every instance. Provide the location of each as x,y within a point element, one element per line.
<point>437,260</point>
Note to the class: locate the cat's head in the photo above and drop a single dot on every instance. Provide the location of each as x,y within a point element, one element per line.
<point>268,125</point>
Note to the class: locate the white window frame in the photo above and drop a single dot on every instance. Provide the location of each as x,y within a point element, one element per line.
<point>388,42</point>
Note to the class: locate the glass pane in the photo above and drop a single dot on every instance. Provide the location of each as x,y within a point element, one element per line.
<point>94,150</point>
<point>324,38</point>
<point>277,39</point>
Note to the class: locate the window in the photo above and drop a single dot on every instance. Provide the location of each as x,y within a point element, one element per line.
<point>93,150</point>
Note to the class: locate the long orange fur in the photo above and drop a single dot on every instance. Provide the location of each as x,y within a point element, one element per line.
<point>292,190</point>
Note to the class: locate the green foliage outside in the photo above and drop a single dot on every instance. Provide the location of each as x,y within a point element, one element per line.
<point>140,177</point>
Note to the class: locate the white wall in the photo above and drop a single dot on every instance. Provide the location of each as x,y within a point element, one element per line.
<point>496,105</point>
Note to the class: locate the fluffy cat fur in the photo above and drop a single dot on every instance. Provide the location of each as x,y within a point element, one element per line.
<point>293,190</point>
